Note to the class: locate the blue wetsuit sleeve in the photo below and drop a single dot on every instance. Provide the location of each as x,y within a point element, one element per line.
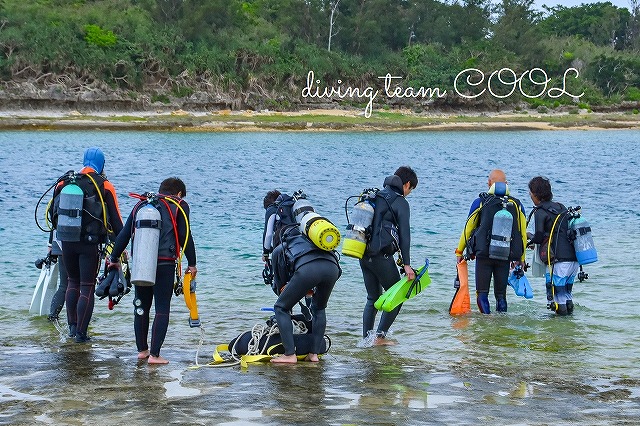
<point>474,206</point>
<point>122,240</point>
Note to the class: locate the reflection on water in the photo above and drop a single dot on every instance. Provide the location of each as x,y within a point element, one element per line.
<point>525,367</point>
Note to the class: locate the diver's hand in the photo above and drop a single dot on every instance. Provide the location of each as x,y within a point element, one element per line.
<point>113,264</point>
<point>411,274</point>
<point>191,270</point>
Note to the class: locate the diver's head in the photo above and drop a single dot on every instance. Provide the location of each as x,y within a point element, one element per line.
<point>173,186</point>
<point>94,158</point>
<point>270,198</point>
<point>540,189</point>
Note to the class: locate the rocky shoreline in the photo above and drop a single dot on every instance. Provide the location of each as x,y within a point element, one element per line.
<point>61,117</point>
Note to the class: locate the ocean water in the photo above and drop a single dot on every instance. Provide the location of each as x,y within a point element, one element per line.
<point>523,367</point>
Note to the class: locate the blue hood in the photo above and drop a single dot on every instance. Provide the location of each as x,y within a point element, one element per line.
<point>94,158</point>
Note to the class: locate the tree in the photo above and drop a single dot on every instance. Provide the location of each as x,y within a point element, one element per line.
<point>515,30</point>
<point>601,23</point>
<point>332,19</point>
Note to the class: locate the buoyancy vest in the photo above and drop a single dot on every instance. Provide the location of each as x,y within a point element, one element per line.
<point>562,249</point>
<point>481,238</point>
<point>169,246</point>
<point>298,250</point>
<point>93,221</point>
<point>384,228</point>
<point>284,218</point>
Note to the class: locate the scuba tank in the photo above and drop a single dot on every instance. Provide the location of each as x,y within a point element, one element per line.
<point>580,233</point>
<point>146,239</point>
<point>500,243</point>
<point>318,229</point>
<point>69,225</point>
<point>355,241</point>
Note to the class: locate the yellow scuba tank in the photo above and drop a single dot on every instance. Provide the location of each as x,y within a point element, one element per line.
<point>69,225</point>
<point>146,239</point>
<point>318,229</point>
<point>355,241</point>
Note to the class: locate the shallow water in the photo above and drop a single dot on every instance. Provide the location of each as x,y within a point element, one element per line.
<point>525,367</point>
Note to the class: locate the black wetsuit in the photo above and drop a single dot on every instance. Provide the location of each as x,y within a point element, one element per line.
<point>313,269</point>
<point>57,302</point>
<point>379,268</point>
<point>160,293</point>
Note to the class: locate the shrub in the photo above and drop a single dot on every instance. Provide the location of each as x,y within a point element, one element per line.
<point>97,36</point>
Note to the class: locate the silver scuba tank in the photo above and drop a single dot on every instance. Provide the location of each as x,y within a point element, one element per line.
<point>500,243</point>
<point>355,241</point>
<point>144,256</point>
<point>69,225</point>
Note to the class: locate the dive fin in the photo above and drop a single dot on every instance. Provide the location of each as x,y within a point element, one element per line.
<point>104,286</point>
<point>461,302</point>
<point>404,290</point>
<point>520,284</point>
<point>116,287</point>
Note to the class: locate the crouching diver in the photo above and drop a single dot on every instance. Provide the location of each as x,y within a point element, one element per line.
<point>554,246</point>
<point>159,229</point>
<point>300,267</point>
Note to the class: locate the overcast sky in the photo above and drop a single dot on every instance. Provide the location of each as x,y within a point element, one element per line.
<point>570,3</point>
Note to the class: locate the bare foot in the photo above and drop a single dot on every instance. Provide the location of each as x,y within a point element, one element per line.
<point>312,358</point>
<point>285,359</point>
<point>381,341</point>
<point>157,360</point>
<point>143,354</point>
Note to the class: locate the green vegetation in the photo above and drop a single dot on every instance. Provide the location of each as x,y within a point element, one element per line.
<point>256,53</point>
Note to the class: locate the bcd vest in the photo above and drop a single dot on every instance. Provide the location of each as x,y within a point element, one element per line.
<point>562,249</point>
<point>295,250</point>
<point>93,220</point>
<point>384,228</point>
<point>169,246</point>
<point>298,250</point>
<point>481,238</point>
<point>284,218</point>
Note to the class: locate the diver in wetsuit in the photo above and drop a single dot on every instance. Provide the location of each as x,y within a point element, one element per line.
<point>477,235</point>
<point>161,292</point>
<point>563,263</point>
<point>390,233</point>
<point>81,257</point>
<point>300,269</point>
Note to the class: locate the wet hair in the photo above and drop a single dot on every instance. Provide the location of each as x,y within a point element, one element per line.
<point>406,174</point>
<point>270,198</point>
<point>173,185</point>
<point>541,188</point>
